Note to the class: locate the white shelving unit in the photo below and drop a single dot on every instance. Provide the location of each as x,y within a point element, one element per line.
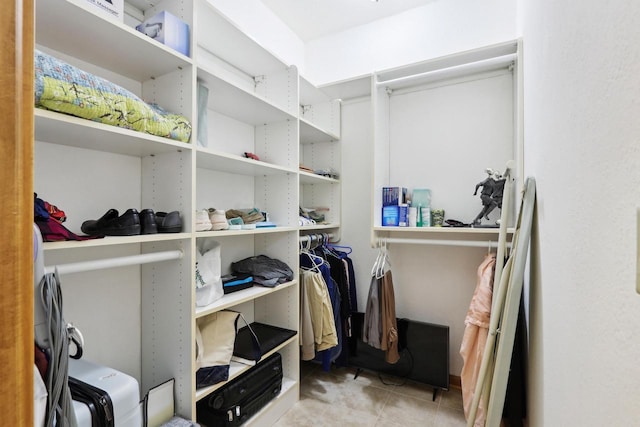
<point>250,108</point>
<point>320,150</point>
<point>438,124</point>
<point>141,319</point>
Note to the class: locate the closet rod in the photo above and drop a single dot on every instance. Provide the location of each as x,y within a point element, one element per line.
<point>311,237</point>
<point>469,243</point>
<point>79,267</point>
<point>455,71</point>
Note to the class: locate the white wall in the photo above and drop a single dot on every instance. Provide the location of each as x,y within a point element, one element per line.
<point>436,29</point>
<point>582,134</point>
<point>256,20</point>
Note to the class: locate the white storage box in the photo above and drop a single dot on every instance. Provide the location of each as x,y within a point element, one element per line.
<point>168,30</point>
<point>123,390</point>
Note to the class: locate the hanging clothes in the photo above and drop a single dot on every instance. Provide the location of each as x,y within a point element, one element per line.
<point>317,283</point>
<point>307,338</point>
<point>372,325</point>
<point>475,336</point>
<point>340,276</point>
<point>389,339</point>
<point>380,329</point>
<point>326,357</point>
<point>318,312</point>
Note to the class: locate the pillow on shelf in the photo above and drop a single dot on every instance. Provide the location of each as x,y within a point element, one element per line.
<point>63,88</point>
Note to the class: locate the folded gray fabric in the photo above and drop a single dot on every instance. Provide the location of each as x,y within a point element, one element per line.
<point>264,269</point>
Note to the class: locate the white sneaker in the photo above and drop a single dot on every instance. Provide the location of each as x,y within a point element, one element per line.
<point>203,223</point>
<point>218,219</point>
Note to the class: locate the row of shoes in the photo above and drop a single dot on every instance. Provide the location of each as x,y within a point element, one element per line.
<point>232,219</point>
<point>132,223</point>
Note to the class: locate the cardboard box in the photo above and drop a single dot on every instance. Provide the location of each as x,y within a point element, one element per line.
<point>113,9</point>
<point>394,196</point>
<point>168,30</point>
<point>395,216</point>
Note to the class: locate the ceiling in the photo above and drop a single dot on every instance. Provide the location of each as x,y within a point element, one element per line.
<point>311,19</point>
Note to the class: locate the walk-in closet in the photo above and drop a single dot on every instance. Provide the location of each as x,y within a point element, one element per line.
<point>303,213</point>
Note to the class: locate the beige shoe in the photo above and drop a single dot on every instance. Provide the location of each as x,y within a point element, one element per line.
<point>218,219</point>
<point>203,223</point>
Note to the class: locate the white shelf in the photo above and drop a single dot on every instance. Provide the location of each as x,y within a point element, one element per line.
<point>239,297</point>
<point>107,43</point>
<point>236,369</point>
<point>315,227</point>
<point>215,33</point>
<point>58,128</point>
<point>230,163</point>
<point>356,87</point>
<point>225,233</point>
<point>310,133</point>
<point>312,178</point>
<point>233,101</point>
<point>461,231</point>
<point>114,241</point>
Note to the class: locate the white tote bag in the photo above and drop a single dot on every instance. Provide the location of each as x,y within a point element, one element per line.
<point>215,337</point>
<point>208,273</point>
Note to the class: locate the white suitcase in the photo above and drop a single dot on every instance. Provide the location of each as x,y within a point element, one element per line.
<point>123,390</point>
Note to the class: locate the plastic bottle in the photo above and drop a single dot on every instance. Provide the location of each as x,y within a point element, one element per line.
<point>419,221</point>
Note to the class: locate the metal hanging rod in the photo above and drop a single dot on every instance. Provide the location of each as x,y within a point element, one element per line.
<point>79,267</point>
<point>310,241</point>
<point>442,242</point>
<point>309,238</point>
<point>454,71</point>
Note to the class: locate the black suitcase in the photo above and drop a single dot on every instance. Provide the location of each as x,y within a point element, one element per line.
<point>235,402</point>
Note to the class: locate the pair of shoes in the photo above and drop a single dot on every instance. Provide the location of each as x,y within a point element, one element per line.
<point>203,223</point>
<point>218,219</point>
<point>168,222</point>
<point>211,219</point>
<point>113,224</point>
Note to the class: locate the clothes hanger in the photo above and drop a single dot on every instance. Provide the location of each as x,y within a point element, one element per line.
<point>347,249</point>
<point>316,261</point>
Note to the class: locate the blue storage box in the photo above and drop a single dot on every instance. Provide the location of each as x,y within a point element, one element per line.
<point>394,196</point>
<point>168,30</point>
<point>395,216</point>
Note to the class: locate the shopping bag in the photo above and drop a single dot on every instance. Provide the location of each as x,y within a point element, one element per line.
<point>208,273</point>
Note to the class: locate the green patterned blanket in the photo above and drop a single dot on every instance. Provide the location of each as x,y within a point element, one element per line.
<point>64,88</point>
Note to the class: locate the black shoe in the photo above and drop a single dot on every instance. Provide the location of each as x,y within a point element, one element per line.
<point>169,222</point>
<point>110,224</point>
<point>92,226</point>
<point>148,222</point>
<point>127,224</point>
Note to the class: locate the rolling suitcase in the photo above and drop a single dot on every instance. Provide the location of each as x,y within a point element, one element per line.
<point>103,397</point>
<point>235,402</point>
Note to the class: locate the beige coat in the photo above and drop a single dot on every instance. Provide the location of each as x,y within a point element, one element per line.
<point>475,336</point>
<point>316,316</point>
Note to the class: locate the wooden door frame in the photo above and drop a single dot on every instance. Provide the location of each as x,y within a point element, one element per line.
<point>16,193</point>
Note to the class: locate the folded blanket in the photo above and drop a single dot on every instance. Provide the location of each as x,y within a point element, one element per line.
<point>64,88</point>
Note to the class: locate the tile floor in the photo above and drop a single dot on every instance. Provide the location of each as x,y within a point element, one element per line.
<point>335,398</point>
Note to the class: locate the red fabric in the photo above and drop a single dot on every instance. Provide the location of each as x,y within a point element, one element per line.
<point>53,231</point>
<point>41,362</point>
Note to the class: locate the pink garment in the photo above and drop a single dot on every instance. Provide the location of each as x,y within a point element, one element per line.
<point>475,336</point>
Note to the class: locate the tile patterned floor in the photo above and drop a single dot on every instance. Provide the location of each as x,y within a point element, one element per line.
<point>335,398</point>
